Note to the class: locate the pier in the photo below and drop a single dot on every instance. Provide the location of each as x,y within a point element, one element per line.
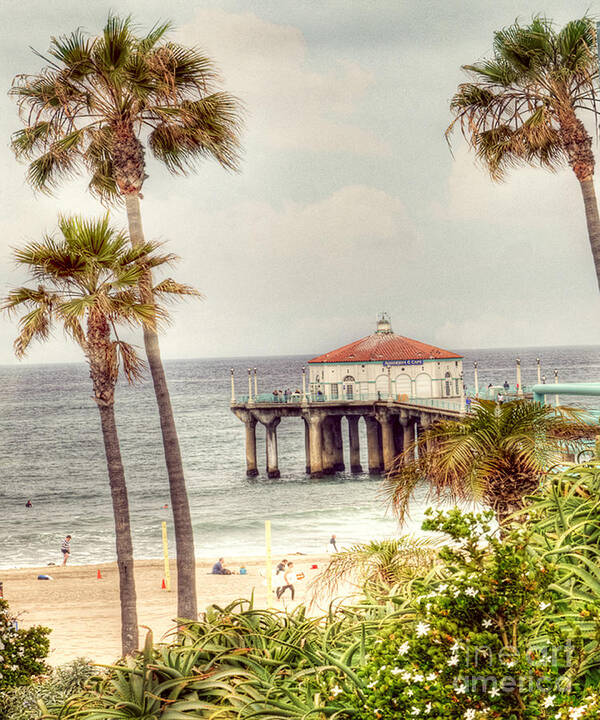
<point>398,386</point>
<point>391,425</point>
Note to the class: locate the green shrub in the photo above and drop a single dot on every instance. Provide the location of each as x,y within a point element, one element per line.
<point>29,702</point>
<point>22,652</point>
<point>473,650</point>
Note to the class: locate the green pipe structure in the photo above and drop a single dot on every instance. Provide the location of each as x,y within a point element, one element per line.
<point>540,391</point>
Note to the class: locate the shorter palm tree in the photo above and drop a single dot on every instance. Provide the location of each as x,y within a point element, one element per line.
<point>497,454</point>
<point>378,565</point>
<point>88,282</point>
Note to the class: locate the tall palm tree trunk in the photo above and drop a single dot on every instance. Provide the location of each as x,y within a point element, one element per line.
<point>577,143</point>
<point>120,502</point>
<point>187,606</point>
<point>592,219</point>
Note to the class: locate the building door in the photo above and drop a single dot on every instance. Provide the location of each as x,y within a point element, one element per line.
<point>403,385</point>
<point>349,387</point>
<point>381,387</point>
<point>423,385</point>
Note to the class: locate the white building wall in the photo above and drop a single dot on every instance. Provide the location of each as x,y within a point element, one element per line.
<point>371,377</point>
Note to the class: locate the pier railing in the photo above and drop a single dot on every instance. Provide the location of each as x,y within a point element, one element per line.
<point>451,404</point>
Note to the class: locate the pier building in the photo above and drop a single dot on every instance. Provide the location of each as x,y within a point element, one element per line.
<point>385,364</point>
<point>395,384</point>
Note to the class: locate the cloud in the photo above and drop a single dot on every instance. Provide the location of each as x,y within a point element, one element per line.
<point>291,104</point>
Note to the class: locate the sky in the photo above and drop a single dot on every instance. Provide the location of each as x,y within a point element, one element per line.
<point>348,201</point>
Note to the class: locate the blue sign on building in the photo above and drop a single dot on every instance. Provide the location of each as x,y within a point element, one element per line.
<point>391,363</point>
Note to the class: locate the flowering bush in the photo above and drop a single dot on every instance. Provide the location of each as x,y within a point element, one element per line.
<point>22,652</point>
<point>480,645</point>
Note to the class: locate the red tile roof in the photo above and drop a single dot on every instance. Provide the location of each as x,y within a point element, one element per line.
<point>385,346</point>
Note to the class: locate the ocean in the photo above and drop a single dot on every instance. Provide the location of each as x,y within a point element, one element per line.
<point>51,452</point>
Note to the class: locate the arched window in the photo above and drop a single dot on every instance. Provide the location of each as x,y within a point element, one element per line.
<point>448,387</point>
<point>348,378</point>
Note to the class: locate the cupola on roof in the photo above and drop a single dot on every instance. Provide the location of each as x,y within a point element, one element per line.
<point>384,344</point>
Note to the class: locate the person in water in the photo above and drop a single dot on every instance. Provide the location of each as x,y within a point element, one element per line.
<point>29,504</point>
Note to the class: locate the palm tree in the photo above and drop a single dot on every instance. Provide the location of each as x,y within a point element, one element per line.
<point>378,565</point>
<point>497,454</point>
<point>95,107</point>
<point>87,281</point>
<point>522,105</point>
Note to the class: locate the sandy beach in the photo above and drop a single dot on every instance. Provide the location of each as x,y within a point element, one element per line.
<point>83,611</point>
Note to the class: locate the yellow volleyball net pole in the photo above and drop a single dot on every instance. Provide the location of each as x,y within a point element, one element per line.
<point>269,569</point>
<point>166,556</point>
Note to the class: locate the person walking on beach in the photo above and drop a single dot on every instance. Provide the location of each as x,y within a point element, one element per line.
<point>332,544</point>
<point>288,579</point>
<point>65,549</point>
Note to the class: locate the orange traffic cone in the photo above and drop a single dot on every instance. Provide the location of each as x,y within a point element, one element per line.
<point>164,584</point>
<point>99,576</point>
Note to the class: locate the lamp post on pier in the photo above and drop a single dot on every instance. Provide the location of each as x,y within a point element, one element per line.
<point>462,394</point>
<point>539,370</point>
<point>304,399</point>
<point>249,386</point>
<point>232,388</point>
<point>519,386</point>
<point>556,401</point>
<point>476,379</point>
<point>255,384</point>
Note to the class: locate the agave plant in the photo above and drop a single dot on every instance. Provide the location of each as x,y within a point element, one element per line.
<point>565,519</point>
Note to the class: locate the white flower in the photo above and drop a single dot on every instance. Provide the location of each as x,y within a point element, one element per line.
<point>415,710</point>
<point>549,701</point>
<point>442,587</point>
<point>494,692</point>
<point>396,671</point>
<point>409,692</point>
<point>455,648</point>
<point>544,605</point>
<point>405,675</point>
<point>422,629</point>
<point>461,689</point>
<point>382,668</point>
<point>487,623</point>
<point>418,677</point>
<point>577,712</point>
<point>470,714</point>
<point>452,661</point>
<point>372,684</point>
<point>510,663</point>
<point>428,708</point>
<point>431,676</point>
<point>335,691</point>
<point>404,648</point>
<point>471,591</point>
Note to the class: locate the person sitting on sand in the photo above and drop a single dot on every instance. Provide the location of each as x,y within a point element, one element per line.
<point>219,569</point>
<point>65,549</point>
<point>288,579</point>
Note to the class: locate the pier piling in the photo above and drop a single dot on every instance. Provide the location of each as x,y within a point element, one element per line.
<point>354,444</point>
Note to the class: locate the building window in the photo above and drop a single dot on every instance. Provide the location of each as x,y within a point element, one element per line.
<point>349,378</point>
<point>457,390</point>
<point>334,391</point>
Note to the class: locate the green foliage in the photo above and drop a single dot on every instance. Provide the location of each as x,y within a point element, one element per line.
<point>565,529</point>
<point>99,98</point>
<point>496,454</point>
<point>22,652</point>
<point>472,650</point>
<point>378,565</point>
<point>30,702</point>
<point>518,108</point>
